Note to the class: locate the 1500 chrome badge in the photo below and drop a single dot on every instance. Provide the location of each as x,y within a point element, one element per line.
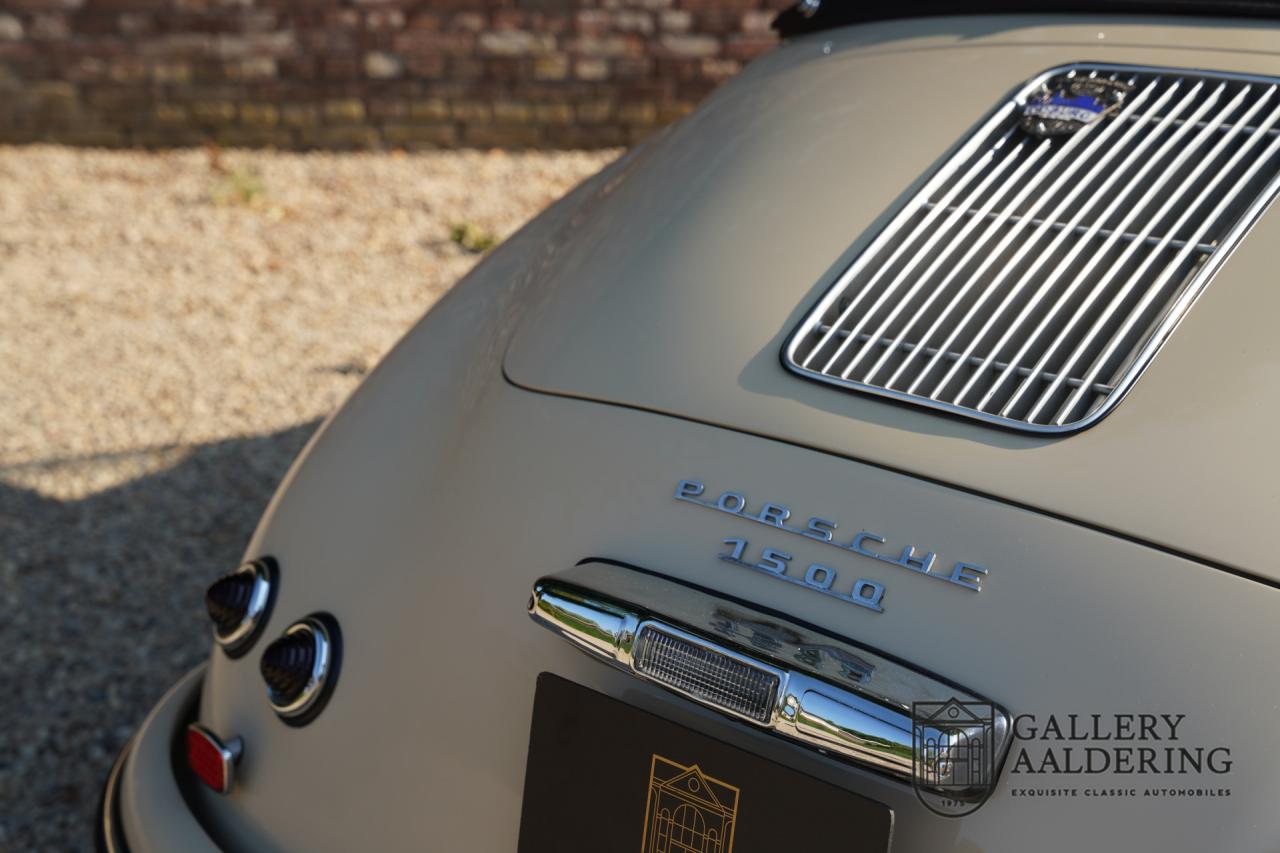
<point>821,578</point>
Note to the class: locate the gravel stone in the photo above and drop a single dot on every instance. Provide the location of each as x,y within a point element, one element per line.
<point>174,327</point>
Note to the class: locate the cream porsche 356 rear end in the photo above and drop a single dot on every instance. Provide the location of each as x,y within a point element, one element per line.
<point>878,459</point>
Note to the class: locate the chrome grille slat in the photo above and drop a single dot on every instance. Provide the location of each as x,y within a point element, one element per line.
<point>1155,289</point>
<point>1187,185</point>
<point>990,289</point>
<point>1009,297</point>
<point>1030,282</point>
<point>975,360</point>
<point>938,261</point>
<point>957,297</point>
<point>1152,194</point>
<point>1082,228</point>
<point>976,169</point>
<point>952,219</point>
<point>1272,132</point>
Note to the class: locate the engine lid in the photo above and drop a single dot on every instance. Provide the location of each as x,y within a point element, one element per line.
<point>680,282</point>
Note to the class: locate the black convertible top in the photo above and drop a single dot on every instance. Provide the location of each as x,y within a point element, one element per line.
<point>801,18</point>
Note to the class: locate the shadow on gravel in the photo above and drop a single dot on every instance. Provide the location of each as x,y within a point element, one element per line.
<point>102,611</point>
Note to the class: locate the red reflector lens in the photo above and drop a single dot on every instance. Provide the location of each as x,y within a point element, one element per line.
<point>211,760</point>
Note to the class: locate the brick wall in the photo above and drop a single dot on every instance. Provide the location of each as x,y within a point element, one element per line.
<point>365,73</point>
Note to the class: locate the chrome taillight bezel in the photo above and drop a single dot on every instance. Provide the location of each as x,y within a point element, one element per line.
<point>264,574</point>
<point>321,629</point>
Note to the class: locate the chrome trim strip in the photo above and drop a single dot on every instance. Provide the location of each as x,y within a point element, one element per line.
<point>832,695</point>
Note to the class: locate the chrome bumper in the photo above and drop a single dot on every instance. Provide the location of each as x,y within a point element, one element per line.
<point>823,691</point>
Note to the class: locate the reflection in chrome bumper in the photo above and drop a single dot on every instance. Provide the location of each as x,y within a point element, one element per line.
<point>809,687</point>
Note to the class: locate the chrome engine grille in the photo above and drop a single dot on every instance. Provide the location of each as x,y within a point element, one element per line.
<point>1031,281</point>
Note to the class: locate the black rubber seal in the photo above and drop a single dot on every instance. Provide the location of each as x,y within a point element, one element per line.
<point>834,13</point>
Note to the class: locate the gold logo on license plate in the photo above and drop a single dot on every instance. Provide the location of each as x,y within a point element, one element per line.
<point>687,811</point>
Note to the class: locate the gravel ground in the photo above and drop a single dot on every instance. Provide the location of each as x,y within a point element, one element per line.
<point>173,327</point>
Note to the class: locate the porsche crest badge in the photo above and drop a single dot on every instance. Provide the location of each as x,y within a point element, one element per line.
<point>1068,103</point>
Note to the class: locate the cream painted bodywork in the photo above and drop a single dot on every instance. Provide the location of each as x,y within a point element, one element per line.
<point>751,208</point>
<point>644,315</point>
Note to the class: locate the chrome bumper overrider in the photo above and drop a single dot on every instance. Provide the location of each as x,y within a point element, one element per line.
<point>823,691</point>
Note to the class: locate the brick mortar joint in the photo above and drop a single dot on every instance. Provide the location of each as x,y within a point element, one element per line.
<point>362,72</point>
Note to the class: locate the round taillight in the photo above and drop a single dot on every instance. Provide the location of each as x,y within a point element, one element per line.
<point>238,604</point>
<point>301,667</point>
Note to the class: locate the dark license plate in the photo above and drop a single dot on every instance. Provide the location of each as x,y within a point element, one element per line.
<point>604,776</point>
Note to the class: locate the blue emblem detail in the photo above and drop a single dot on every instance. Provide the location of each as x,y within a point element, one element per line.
<point>1066,104</point>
